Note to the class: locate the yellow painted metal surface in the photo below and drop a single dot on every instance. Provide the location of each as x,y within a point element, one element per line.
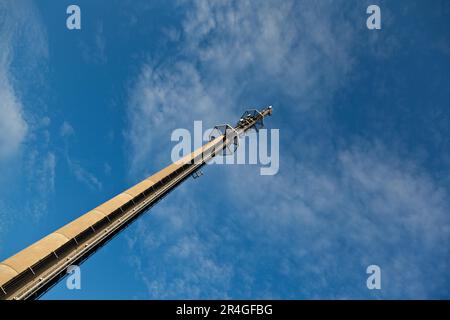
<point>199,151</point>
<point>6,273</point>
<point>74,228</point>
<point>113,204</point>
<point>139,188</point>
<point>36,252</point>
<point>29,256</point>
<point>164,172</point>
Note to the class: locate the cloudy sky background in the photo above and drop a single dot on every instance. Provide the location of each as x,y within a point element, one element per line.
<point>364,143</point>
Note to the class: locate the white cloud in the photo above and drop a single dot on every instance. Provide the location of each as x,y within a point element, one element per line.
<point>41,169</point>
<point>328,210</point>
<point>300,49</point>
<point>260,49</point>
<point>94,51</point>
<point>19,24</point>
<point>230,49</point>
<point>24,137</point>
<point>107,168</point>
<point>195,272</point>
<point>66,130</point>
<point>297,50</point>
<point>13,127</point>
<point>84,176</point>
<point>80,172</point>
<point>369,207</point>
<point>161,101</point>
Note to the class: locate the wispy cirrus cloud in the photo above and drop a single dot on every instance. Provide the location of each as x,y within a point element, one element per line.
<point>24,134</point>
<point>80,173</point>
<point>315,226</point>
<point>311,230</point>
<point>173,237</point>
<point>41,166</point>
<point>66,130</point>
<point>230,50</point>
<point>94,52</point>
<point>19,24</point>
<point>335,216</point>
<point>84,176</point>
<point>13,127</point>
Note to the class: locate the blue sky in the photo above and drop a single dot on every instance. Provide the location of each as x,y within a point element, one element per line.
<point>364,143</point>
